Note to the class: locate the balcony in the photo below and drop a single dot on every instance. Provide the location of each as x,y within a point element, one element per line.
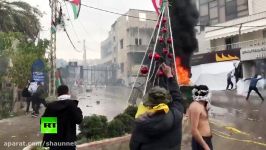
<point>136,48</point>
<point>244,44</point>
<point>249,24</point>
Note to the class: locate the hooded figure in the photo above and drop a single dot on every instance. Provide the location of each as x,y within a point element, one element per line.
<point>68,115</point>
<point>158,124</point>
<point>202,93</point>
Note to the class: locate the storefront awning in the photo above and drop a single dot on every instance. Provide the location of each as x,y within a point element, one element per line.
<point>221,32</point>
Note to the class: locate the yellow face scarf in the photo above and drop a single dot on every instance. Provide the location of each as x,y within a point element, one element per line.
<point>144,109</point>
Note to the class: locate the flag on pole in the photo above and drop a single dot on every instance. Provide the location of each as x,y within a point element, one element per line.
<point>58,79</point>
<point>53,27</point>
<point>76,4</point>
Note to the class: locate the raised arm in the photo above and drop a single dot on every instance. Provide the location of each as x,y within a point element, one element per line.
<point>173,88</point>
<point>260,78</point>
<point>247,79</point>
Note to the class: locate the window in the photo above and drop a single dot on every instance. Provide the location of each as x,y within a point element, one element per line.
<point>230,9</point>
<point>222,14</point>
<point>204,10</point>
<point>242,13</point>
<point>214,21</point>
<point>204,1</point>
<point>264,33</point>
<point>213,13</point>
<point>122,67</point>
<point>213,4</point>
<point>204,20</point>
<point>240,2</point>
<point>221,2</point>
<point>242,8</point>
<point>231,40</point>
<point>121,44</point>
<point>138,41</point>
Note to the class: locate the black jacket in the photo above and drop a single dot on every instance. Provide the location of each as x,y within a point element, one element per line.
<point>68,115</point>
<point>161,131</point>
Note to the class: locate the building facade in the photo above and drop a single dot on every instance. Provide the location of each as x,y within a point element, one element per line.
<point>127,42</point>
<point>235,25</point>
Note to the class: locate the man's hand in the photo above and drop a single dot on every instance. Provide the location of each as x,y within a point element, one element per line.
<point>167,70</point>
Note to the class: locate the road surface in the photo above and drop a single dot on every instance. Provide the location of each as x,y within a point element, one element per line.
<point>229,112</point>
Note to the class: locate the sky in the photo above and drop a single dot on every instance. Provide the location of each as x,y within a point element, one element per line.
<point>92,25</point>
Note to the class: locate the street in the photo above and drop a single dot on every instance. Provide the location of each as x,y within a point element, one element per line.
<point>229,112</point>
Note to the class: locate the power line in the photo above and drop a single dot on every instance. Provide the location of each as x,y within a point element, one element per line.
<point>71,22</point>
<point>116,13</point>
<point>71,41</point>
<point>126,15</point>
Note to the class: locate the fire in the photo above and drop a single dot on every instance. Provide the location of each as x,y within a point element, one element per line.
<point>182,72</point>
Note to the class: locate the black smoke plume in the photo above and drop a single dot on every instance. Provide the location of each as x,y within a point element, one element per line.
<point>184,18</point>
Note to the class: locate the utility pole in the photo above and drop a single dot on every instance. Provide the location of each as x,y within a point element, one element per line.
<point>52,57</point>
<point>84,63</point>
<point>84,54</point>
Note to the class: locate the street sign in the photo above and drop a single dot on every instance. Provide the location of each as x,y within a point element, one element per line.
<point>38,71</point>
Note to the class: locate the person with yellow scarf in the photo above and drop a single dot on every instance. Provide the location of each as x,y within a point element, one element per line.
<point>158,124</point>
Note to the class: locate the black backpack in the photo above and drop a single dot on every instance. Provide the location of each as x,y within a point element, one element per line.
<point>25,92</point>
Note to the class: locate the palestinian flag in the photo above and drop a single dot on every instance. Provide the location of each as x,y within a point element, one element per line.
<point>53,27</point>
<point>76,4</point>
<point>58,79</point>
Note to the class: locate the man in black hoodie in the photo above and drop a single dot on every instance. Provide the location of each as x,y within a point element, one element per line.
<point>68,114</point>
<point>160,131</point>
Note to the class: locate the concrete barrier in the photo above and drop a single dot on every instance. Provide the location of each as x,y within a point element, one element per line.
<point>119,143</point>
<point>122,143</point>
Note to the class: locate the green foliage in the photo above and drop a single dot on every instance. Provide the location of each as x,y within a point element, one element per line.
<point>7,39</point>
<point>5,103</point>
<point>18,16</point>
<point>116,128</point>
<point>15,48</point>
<point>131,111</point>
<point>94,127</point>
<point>22,60</point>
<point>127,121</point>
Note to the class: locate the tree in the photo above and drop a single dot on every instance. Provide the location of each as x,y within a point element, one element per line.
<point>22,59</point>
<point>20,17</point>
<point>6,40</point>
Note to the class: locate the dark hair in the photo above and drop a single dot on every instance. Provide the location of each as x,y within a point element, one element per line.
<point>62,90</point>
<point>256,76</point>
<point>202,90</point>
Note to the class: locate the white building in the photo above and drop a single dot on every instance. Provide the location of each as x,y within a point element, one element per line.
<point>234,25</point>
<point>127,42</point>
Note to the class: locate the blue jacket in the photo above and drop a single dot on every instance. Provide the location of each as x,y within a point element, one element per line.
<point>253,81</point>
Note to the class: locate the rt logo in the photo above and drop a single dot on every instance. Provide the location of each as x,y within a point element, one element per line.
<point>49,125</point>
